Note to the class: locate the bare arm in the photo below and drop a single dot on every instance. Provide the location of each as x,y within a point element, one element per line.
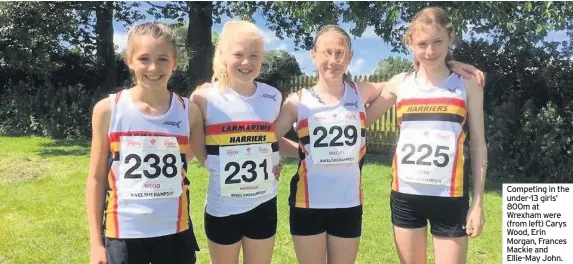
<point>197,137</point>
<point>288,148</point>
<point>287,116</point>
<point>384,101</point>
<point>97,176</point>
<point>478,146</point>
<point>467,71</point>
<point>197,113</point>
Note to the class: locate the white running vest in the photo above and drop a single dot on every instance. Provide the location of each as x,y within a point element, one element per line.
<point>242,148</point>
<point>332,148</point>
<point>429,158</point>
<point>148,188</point>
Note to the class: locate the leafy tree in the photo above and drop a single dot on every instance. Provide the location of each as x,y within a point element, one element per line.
<point>507,22</point>
<point>391,66</point>
<point>278,66</point>
<point>180,30</point>
<point>35,33</point>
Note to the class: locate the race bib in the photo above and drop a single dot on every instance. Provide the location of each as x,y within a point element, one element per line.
<point>246,170</point>
<point>150,167</point>
<point>426,156</point>
<point>334,137</point>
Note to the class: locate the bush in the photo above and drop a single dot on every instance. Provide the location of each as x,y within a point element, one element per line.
<point>62,112</point>
<point>529,145</point>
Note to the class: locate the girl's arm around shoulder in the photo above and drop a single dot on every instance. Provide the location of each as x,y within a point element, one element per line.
<point>384,101</point>
<point>197,134</point>
<point>287,115</point>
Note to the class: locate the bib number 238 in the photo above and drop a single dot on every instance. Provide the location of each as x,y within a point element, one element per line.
<point>150,168</point>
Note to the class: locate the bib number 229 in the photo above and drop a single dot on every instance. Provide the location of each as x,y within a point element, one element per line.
<point>350,134</point>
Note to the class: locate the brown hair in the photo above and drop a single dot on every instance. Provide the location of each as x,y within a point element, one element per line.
<point>230,30</point>
<point>157,30</point>
<point>345,35</point>
<point>426,17</point>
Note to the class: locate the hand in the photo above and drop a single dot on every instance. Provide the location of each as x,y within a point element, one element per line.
<point>277,171</point>
<point>98,255</point>
<point>204,85</point>
<point>475,220</point>
<point>467,71</point>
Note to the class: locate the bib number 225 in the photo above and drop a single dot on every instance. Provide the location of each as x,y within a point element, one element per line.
<point>427,152</point>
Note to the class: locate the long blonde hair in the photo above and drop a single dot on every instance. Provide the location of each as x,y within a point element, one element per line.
<point>231,30</point>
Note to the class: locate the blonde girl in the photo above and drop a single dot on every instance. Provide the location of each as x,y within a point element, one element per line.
<point>239,149</point>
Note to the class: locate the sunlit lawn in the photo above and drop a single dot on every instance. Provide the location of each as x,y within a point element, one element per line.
<point>43,219</point>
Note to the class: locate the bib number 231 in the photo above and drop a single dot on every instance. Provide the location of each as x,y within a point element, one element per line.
<point>246,170</point>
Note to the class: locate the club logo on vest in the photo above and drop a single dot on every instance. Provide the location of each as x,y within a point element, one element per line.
<point>355,104</point>
<point>270,96</point>
<point>172,123</point>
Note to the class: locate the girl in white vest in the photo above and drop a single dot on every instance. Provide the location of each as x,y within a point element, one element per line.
<point>239,148</point>
<point>326,193</point>
<point>436,110</point>
<point>137,183</point>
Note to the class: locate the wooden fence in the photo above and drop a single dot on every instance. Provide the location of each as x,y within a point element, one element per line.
<point>381,137</point>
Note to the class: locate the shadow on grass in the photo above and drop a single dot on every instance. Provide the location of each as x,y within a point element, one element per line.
<point>65,147</point>
<point>68,143</point>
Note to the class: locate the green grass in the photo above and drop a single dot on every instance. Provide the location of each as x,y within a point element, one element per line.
<point>43,219</point>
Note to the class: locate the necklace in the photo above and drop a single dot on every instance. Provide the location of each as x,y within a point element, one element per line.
<point>317,96</point>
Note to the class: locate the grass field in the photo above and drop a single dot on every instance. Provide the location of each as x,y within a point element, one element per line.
<point>43,219</point>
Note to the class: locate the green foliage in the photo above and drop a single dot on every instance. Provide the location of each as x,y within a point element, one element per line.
<point>504,22</point>
<point>180,30</point>
<point>278,66</point>
<point>528,109</point>
<point>529,144</point>
<point>57,112</point>
<point>392,66</point>
<point>31,32</point>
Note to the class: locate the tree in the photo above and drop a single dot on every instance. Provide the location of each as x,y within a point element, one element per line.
<point>278,66</point>
<point>198,45</point>
<point>180,37</point>
<point>507,22</point>
<point>391,66</point>
<point>34,33</point>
